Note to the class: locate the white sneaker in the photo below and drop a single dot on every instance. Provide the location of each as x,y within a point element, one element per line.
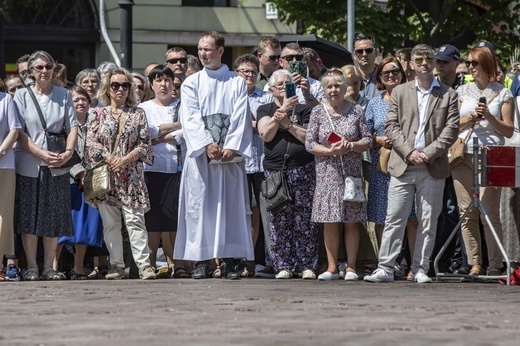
<point>284,274</point>
<point>379,275</point>
<point>422,278</point>
<point>350,276</point>
<point>308,274</point>
<point>328,276</point>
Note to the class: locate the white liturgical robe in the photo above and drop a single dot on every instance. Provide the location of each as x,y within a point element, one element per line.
<point>214,211</point>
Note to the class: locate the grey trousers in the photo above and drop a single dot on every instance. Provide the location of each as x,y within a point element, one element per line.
<point>417,183</point>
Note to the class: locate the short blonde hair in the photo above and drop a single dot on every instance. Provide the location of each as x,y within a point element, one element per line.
<point>333,75</point>
<point>104,90</point>
<point>352,71</point>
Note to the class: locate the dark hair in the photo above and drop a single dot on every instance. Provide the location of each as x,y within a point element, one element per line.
<point>80,90</point>
<point>220,41</point>
<point>361,37</point>
<point>60,72</point>
<point>246,58</point>
<point>310,55</point>
<point>379,69</point>
<point>485,57</point>
<point>422,48</point>
<point>158,71</point>
<point>22,59</point>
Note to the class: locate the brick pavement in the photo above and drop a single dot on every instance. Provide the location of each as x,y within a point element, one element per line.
<point>258,312</point>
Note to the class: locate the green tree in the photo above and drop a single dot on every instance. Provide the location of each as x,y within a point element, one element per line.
<point>407,22</point>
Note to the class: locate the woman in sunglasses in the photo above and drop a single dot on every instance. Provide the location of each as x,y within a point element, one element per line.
<point>42,186</point>
<point>164,176</point>
<point>486,112</point>
<point>389,74</point>
<point>118,136</point>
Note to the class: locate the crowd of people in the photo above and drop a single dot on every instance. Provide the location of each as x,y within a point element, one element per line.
<point>191,144</point>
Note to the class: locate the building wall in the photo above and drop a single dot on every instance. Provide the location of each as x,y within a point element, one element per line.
<point>159,24</point>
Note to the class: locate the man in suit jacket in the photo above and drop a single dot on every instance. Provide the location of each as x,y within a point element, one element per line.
<point>422,123</point>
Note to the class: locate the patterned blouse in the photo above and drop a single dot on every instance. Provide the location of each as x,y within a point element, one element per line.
<point>130,189</point>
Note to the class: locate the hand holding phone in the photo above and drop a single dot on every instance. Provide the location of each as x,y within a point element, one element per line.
<point>484,101</point>
<point>333,138</point>
<point>299,67</point>
<point>290,90</point>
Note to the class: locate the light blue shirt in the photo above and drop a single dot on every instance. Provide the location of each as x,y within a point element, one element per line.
<point>256,99</point>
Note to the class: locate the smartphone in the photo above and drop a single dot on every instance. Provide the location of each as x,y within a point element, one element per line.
<point>482,100</point>
<point>299,67</point>
<point>290,90</point>
<point>333,138</point>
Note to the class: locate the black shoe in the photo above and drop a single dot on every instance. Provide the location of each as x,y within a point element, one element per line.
<point>201,270</point>
<point>462,270</point>
<point>245,268</point>
<point>228,269</point>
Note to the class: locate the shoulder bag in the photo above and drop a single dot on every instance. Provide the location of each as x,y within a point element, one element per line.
<point>56,142</point>
<point>354,186</point>
<point>456,151</point>
<point>275,189</point>
<point>384,156</point>
<point>98,180</point>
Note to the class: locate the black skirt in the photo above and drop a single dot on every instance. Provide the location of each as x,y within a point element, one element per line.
<point>163,189</point>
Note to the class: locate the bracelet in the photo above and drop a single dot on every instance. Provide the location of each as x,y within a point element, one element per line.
<point>351,146</point>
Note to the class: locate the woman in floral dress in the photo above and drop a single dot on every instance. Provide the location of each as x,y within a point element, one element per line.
<point>334,161</point>
<point>129,196</point>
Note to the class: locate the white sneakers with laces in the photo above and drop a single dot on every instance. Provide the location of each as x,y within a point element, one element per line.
<point>379,275</point>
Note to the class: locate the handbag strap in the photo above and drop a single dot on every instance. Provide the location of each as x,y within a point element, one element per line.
<point>334,129</point>
<point>38,109</point>
<point>121,124</point>
<point>285,157</point>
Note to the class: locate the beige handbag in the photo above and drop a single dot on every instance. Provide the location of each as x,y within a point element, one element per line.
<point>384,156</point>
<point>98,180</point>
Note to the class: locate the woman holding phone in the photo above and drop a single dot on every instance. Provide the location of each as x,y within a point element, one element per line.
<point>281,124</point>
<point>337,135</point>
<point>486,112</point>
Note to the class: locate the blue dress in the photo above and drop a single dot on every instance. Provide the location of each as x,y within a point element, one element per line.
<point>377,203</point>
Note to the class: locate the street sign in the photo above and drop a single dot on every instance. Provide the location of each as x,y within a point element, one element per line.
<point>271,12</point>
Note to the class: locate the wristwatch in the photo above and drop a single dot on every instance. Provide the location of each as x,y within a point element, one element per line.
<point>3,152</point>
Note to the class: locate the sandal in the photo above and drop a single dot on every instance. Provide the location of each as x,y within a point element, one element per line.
<point>217,273</point>
<point>30,275</point>
<point>181,273</point>
<point>51,274</point>
<point>77,276</point>
<point>98,273</point>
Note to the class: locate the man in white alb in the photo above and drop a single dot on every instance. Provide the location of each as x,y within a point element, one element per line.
<point>214,220</point>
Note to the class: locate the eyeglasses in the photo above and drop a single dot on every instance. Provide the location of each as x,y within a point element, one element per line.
<point>39,68</point>
<point>140,87</point>
<point>13,89</point>
<point>248,72</point>
<point>472,63</point>
<point>177,86</point>
<point>24,73</point>
<point>115,85</point>
<point>419,60</point>
<point>176,60</point>
<point>297,57</point>
<point>386,74</point>
<point>279,86</point>
<point>364,50</point>
<point>272,58</point>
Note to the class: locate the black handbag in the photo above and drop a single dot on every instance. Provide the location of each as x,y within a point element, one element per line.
<point>275,189</point>
<point>56,142</point>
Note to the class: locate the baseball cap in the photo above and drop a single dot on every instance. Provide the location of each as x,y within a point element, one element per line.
<point>485,44</point>
<point>447,52</point>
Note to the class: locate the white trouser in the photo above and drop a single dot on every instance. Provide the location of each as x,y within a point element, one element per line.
<point>134,222</point>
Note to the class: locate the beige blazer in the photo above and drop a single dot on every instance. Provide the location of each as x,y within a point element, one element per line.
<point>441,128</point>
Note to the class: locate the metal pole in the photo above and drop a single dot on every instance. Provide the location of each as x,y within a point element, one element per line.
<point>126,33</point>
<point>2,56</point>
<point>350,25</point>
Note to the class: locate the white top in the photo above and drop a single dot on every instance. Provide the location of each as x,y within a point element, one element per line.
<point>422,103</point>
<point>468,98</point>
<point>8,121</point>
<point>59,114</point>
<point>165,155</point>
<point>256,99</point>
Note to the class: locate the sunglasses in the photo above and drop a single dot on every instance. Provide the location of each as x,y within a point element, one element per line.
<point>387,74</point>
<point>472,63</point>
<point>248,72</point>
<point>177,86</point>
<point>365,50</point>
<point>140,87</point>
<point>47,67</point>
<point>13,89</point>
<point>24,73</point>
<point>297,57</point>
<point>176,60</point>
<point>418,60</point>
<point>115,85</point>
<point>272,58</point>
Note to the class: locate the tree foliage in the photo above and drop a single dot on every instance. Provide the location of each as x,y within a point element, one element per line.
<point>408,22</point>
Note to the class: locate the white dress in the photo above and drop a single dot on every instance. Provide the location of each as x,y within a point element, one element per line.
<point>214,212</point>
